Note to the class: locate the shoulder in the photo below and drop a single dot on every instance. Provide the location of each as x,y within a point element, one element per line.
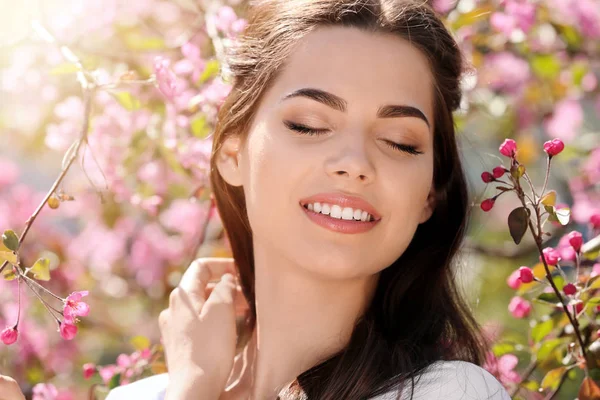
<point>453,380</point>
<point>151,388</point>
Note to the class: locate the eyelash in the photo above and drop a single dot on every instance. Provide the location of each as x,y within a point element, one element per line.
<point>305,130</point>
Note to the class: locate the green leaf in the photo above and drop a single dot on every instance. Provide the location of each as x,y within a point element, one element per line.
<point>9,256</point>
<point>589,390</point>
<point>140,342</point>
<point>546,66</point>
<point>517,171</point>
<point>65,68</point>
<point>10,240</point>
<point>211,69</point>
<point>591,246</point>
<point>552,378</point>
<point>517,223</point>
<point>114,381</point>
<point>548,298</point>
<point>559,281</point>
<point>594,301</point>
<point>563,215</point>
<point>541,330</point>
<point>135,41</point>
<point>548,348</point>
<point>127,100</point>
<point>41,270</point>
<point>501,349</point>
<point>530,385</point>
<point>9,274</point>
<point>200,128</point>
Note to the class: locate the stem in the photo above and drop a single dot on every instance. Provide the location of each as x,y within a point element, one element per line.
<point>48,306</point>
<point>538,242</point>
<point>546,178</point>
<point>19,297</point>
<point>526,374</point>
<point>43,288</point>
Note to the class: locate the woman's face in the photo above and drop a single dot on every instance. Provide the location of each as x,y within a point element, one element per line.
<point>351,153</point>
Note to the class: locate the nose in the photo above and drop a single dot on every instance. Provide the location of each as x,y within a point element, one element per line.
<point>351,161</point>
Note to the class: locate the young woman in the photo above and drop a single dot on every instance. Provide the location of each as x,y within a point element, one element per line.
<point>336,173</point>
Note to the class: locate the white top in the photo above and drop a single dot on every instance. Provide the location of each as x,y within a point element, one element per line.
<point>447,380</point>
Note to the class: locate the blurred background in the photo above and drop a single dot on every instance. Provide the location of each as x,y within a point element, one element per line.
<point>132,210</point>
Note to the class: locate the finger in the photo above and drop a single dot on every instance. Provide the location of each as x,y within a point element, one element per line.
<point>203,270</point>
<point>9,389</point>
<point>240,302</point>
<point>222,298</point>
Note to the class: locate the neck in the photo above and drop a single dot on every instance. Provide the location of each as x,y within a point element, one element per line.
<point>303,318</point>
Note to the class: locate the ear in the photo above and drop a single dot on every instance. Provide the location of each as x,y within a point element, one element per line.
<point>228,160</point>
<point>429,206</point>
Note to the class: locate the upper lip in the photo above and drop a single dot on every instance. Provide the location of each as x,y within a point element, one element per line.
<point>343,200</point>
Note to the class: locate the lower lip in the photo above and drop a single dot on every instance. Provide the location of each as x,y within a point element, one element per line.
<point>339,225</point>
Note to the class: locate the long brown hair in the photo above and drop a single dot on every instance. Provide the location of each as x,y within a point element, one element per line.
<point>417,315</point>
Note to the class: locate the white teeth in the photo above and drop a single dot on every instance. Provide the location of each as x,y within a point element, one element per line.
<point>347,214</point>
<point>336,211</point>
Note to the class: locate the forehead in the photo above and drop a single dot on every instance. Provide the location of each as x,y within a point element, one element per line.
<point>366,69</point>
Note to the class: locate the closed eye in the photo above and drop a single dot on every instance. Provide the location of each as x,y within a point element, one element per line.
<point>305,130</point>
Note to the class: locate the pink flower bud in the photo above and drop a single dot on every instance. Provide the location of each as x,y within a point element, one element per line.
<point>67,331</point>
<point>526,274</point>
<point>508,148</point>
<point>569,289</point>
<point>514,280</point>
<point>595,221</point>
<point>487,204</point>
<point>89,370</point>
<point>165,77</point>
<point>9,335</point>
<point>519,307</point>
<point>487,177</point>
<point>553,147</point>
<point>498,171</point>
<point>575,240</point>
<point>551,256</point>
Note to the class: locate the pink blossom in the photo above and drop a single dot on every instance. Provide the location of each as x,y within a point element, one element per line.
<point>497,172</point>
<point>89,370</point>
<point>570,289</point>
<point>508,148</point>
<point>526,274</point>
<point>551,256</point>
<point>487,177</point>
<point>566,120</point>
<point>443,6</point>
<point>519,307</point>
<point>165,77</point>
<point>514,279</point>
<point>74,307</point>
<point>575,240</point>
<point>9,335</point>
<point>595,221</point>
<point>595,270</point>
<point>107,372</point>
<point>503,368</point>
<point>554,147</point>
<point>44,391</point>
<point>9,174</point>
<point>68,331</point>
<point>505,71</point>
<point>487,204</point>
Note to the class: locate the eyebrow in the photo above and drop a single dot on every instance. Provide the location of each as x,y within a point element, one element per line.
<point>337,103</point>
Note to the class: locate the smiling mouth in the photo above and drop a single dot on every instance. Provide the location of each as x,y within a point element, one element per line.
<point>335,211</point>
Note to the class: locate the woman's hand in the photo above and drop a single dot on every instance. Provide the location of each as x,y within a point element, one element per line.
<point>199,330</point>
<point>9,389</point>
